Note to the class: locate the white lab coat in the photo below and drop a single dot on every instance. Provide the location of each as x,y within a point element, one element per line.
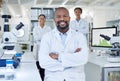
<point>70,65</point>
<point>80,26</point>
<point>38,32</point>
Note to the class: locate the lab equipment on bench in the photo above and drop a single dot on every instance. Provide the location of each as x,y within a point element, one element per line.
<point>7,71</point>
<point>9,38</point>
<point>114,55</point>
<point>11,56</point>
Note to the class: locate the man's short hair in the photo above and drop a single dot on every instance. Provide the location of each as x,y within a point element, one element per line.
<point>61,8</point>
<point>78,8</point>
<point>42,15</point>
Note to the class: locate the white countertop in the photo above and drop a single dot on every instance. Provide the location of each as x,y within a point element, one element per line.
<point>101,61</point>
<point>28,57</point>
<point>27,71</point>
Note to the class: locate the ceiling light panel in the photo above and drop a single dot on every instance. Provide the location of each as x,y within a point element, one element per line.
<point>26,1</point>
<point>12,1</point>
<point>42,1</point>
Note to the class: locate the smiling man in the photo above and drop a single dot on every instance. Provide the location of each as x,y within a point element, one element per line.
<point>63,51</point>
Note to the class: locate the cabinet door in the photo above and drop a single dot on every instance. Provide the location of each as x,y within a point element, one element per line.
<point>111,74</point>
<point>93,72</point>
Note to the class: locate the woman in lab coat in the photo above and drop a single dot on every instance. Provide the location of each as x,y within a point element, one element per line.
<point>38,32</point>
<point>63,51</point>
<point>79,24</point>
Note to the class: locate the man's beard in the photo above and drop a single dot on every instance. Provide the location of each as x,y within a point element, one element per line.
<point>62,28</point>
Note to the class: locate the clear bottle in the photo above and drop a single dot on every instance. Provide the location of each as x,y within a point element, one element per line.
<point>2,73</point>
<point>9,74</point>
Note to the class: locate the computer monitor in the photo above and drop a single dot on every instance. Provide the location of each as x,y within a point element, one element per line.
<point>98,41</point>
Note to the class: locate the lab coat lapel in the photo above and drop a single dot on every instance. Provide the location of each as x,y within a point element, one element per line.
<point>68,39</point>
<point>57,36</point>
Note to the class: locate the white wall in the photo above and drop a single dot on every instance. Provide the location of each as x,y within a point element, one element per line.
<point>102,15</point>
<point>85,13</point>
<point>99,15</point>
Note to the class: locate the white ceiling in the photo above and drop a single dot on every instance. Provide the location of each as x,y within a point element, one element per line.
<point>67,2</point>
<point>21,6</point>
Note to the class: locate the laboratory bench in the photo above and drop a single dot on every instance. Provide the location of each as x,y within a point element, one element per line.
<point>99,69</point>
<point>27,70</point>
<point>28,57</point>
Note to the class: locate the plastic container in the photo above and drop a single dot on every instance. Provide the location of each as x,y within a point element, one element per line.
<point>19,56</point>
<point>9,74</point>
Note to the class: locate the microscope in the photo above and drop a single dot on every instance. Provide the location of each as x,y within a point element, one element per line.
<point>114,55</point>
<point>9,38</point>
<point>10,47</point>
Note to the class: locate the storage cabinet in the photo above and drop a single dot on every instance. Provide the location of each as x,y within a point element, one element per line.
<point>96,73</point>
<point>99,69</point>
<point>93,72</point>
<point>48,12</point>
<point>111,74</point>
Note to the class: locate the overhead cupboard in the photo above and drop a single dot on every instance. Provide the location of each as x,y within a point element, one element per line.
<point>48,12</point>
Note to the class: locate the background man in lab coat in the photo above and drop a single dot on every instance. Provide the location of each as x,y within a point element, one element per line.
<point>79,24</point>
<point>63,51</point>
<point>38,32</point>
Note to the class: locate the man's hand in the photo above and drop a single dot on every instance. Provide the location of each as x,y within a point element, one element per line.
<point>77,50</point>
<point>54,55</point>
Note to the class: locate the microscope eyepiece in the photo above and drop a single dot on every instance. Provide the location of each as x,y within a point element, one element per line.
<point>19,26</point>
<point>6,16</point>
<point>105,37</point>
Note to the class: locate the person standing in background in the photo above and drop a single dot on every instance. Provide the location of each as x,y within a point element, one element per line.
<point>38,32</point>
<point>63,51</point>
<point>79,24</point>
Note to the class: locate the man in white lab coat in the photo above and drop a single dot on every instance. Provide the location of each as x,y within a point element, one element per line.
<point>41,29</point>
<point>38,32</point>
<point>79,24</point>
<point>63,51</point>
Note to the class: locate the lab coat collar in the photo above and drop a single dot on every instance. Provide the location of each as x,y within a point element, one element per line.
<point>78,20</point>
<point>57,32</point>
<point>42,27</point>
<point>69,33</point>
